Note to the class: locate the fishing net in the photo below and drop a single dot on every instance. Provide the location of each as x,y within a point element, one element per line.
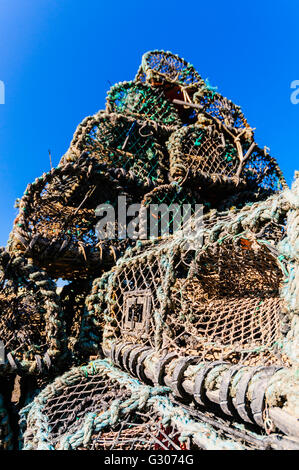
<point>143,102</point>
<point>31,322</point>
<point>56,225</point>
<point>213,158</point>
<point>99,407</point>
<point>121,142</point>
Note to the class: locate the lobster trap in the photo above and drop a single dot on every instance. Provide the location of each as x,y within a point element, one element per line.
<point>210,320</point>
<point>32,328</point>
<point>122,142</point>
<point>217,302</point>
<point>56,225</point>
<point>98,407</point>
<point>215,159</point>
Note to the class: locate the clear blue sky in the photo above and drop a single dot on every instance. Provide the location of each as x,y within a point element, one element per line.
<point>58,57</point>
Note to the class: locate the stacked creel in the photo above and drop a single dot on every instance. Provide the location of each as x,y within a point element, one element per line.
<point>165,138</point>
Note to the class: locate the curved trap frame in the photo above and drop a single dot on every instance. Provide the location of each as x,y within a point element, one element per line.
<point>160,67</point>
<point>143,102</point>
<point>121,142</point>
<point>211,157</point>
<point>99,407</point>
<point>56,225</point>
<point>32,328</point>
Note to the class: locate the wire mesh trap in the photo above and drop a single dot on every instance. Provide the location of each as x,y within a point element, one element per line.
<point>99,407</point>
<point>31,322</point>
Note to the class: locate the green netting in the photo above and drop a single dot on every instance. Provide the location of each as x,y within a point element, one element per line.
<point>121,142</point>
<point>143,102</point>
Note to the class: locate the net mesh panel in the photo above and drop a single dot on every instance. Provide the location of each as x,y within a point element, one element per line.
<point>142,101</point>
<point>161,65</point>
<point>165,209</point>
<point>222,108</point>
<point>229,308</point>
<point>89,394</point>
<point>57,220</point>
<point>22,322</point>
<point>121,142</point>
<point>31,322</point>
